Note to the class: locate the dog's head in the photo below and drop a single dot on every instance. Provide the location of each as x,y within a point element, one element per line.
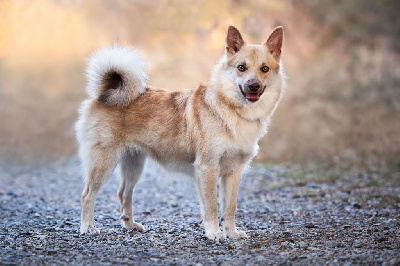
<point>251,69</point>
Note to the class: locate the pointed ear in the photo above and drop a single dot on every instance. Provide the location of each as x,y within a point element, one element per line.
<point>274,42</point>
<point>234,40</point>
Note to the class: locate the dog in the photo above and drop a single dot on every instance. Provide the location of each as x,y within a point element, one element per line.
<point>208,132</point>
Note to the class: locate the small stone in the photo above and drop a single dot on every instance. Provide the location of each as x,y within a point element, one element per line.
<point>357,244</point>
<point>51,252</point>
<point>313,185</point>
<point>11,193</point>
<point>303,244</point>
<point>309,225</point>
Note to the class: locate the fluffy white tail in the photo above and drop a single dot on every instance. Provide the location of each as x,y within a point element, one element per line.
<point>116,75</point>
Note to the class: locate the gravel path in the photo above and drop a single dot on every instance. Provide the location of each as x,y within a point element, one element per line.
<point>287,222</point>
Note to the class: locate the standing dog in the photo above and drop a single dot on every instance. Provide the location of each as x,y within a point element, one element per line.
<point>209,132</point>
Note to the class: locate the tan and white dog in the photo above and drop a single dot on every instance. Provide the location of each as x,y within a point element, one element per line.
<point>209,132</point>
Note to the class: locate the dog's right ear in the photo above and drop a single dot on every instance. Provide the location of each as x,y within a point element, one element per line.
<point>234,40</point>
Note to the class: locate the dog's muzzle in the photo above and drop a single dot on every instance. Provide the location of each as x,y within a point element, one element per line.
<point>252,90</point>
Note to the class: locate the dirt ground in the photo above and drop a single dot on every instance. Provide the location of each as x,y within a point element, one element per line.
<point>352,220</point>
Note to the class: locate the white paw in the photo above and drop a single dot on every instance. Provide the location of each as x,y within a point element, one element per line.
<point>236,234</point>
<point>90,230</point>
<point>216,235</point>
<point>133,225</point>
<point>127,223</point>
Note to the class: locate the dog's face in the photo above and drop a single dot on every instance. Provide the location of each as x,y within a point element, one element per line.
<point>252,69</point>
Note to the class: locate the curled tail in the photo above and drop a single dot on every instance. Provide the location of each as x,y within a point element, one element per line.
<point>116,75</point>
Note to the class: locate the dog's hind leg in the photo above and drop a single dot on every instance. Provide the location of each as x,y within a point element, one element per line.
<point>228,199</point>
<point>132,163</point>
<point>98,166</point>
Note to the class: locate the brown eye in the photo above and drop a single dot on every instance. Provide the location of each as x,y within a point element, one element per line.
<point>241,68</point>
<point>265,69</point>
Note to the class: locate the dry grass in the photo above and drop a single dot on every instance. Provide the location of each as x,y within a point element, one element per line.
<point>342,102</point>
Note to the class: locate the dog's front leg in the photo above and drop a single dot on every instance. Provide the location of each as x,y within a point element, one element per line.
<point>228,194</point>
<point>207,185</point>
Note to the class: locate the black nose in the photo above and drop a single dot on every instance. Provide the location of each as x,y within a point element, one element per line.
<point>253,85</point>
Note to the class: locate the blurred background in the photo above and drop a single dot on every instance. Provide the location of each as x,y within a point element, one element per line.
<point>341,108</point>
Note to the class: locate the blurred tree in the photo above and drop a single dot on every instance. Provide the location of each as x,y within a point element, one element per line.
<point>360,21</point>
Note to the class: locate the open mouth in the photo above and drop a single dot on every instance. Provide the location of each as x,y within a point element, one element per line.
<point>251,96</point>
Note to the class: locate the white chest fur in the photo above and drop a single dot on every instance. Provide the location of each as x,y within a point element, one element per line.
<point>240,149</point>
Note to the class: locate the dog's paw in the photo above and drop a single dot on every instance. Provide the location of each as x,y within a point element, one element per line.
<point>216,235</point>
<point>129,224</point>
<point>236,234</point>
<point>133,225</point>
<point>89,230</point>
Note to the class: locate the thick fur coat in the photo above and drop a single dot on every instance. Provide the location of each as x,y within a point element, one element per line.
<point>209,132</point>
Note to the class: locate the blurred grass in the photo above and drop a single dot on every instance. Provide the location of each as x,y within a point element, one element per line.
<point>354,172</point>
<point>341,109</point>
<point>373,173</point>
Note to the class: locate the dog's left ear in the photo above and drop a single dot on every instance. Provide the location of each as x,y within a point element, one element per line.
<point>274,42</point>
<point>234,40</point>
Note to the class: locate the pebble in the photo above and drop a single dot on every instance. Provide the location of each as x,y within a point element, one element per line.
<point>51,252</point>
<point>277,219</point>
<point>309,225</point>
<point>303,244</point>
<point>357,244</point>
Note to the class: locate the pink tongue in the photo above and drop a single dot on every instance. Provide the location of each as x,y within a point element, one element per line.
<point>252,96</point>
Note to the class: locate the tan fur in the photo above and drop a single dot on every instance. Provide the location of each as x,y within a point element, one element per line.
<point>209,132</point>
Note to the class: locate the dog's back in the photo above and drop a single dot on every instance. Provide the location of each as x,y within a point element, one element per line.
<point>211,131</point>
